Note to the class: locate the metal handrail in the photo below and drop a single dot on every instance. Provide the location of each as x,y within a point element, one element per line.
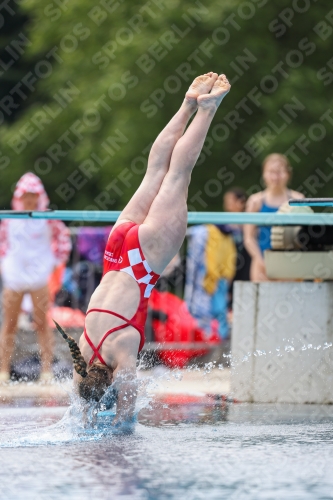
<point>260,219</point>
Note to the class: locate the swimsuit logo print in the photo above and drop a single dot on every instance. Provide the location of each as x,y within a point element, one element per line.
<point>120,260</point>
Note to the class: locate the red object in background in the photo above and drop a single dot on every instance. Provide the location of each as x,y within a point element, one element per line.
<point>180,326</point>
<point>66,317</point>
<point>55,281</point>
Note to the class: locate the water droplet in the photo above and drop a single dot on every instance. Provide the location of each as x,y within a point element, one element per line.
<point>289,348</point>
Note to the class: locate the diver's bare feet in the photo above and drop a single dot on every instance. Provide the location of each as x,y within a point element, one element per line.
<point>212,100</point>
<point>201,85</point>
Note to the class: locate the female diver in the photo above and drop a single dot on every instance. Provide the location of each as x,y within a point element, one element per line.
<point>146,236</point>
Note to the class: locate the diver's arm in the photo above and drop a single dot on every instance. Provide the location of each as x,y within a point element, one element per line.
<point>125,383</point>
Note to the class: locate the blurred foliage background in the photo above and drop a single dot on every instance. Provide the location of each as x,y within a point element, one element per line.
<point>86,87</point>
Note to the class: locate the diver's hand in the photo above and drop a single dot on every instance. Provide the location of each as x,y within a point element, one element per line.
<point>123,426</point>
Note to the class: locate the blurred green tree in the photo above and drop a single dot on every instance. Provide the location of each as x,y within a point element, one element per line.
<point>13,64</point>
<point>105,77</point>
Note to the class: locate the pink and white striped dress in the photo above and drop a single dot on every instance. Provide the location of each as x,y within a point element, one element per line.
<point>30,249</point>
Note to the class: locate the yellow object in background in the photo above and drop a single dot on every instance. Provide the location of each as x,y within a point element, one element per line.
<point>220,258</point>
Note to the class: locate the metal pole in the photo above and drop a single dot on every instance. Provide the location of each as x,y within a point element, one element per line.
<point>260,219</point>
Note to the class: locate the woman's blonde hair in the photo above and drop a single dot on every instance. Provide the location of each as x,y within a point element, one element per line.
<point>277,156</point>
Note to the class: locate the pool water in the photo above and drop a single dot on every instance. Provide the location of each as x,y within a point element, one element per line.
<point>190,450</point>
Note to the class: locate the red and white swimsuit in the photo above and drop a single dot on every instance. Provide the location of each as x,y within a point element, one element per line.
<point>123,253</point>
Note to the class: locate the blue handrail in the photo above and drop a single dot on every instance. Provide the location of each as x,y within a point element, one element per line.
<point>312,202</point>
<point>260,219</point>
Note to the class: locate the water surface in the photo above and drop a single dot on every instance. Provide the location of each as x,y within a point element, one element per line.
<point>193,450</point>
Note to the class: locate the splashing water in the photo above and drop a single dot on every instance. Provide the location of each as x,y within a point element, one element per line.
<point>192,451</point>
<point>83,423</point>
<point>79,423</point>
<point>204,449</point>
<point>290,347</point>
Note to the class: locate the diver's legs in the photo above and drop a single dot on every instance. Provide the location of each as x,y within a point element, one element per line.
<point>164,228</point>
<point>160,154</point>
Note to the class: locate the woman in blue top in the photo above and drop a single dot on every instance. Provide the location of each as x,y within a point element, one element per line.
<point>276,173</point>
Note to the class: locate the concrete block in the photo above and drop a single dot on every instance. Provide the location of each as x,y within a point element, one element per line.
<point>288,330</point>
<point>243,338</point>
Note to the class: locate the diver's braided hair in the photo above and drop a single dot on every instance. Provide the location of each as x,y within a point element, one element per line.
<point>80,365</point>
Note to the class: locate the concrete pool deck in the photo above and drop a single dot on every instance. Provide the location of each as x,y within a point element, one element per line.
<point>165,382</point>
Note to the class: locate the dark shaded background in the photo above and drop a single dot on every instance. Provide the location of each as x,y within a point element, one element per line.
<point>86,87</point>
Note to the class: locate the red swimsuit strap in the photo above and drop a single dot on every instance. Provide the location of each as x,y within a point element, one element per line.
<point>120,327</point>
